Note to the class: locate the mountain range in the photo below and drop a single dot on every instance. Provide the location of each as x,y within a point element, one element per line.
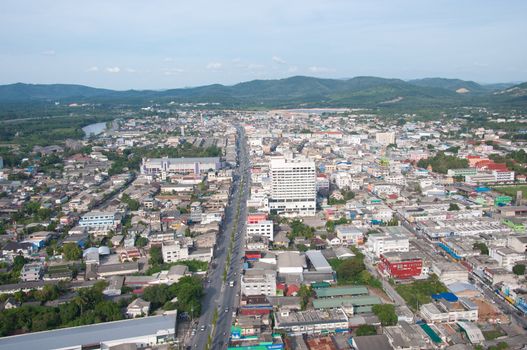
<point>297,91</point>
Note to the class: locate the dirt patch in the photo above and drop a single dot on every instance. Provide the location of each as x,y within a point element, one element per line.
<point>488,312</point>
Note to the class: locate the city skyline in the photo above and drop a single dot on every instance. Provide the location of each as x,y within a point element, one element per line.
<point>160,45</point>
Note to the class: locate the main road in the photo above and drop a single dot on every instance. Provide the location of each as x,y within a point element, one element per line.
<point>219,295</point>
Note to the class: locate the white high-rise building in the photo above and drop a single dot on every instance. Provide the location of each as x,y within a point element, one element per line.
<point>385,138</point>
<point>293,187</point>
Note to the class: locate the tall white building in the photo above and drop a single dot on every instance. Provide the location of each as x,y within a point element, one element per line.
<point>293,187</point>
<point>385,138</point>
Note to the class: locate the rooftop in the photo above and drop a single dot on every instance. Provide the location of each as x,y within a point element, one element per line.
<point>102,332</point>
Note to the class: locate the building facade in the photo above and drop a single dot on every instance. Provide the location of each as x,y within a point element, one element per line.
<point>293,187</point>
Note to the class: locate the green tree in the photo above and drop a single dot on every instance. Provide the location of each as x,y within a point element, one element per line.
<point>141,242</point>
<point>482,247</point>
<point>519,269</point>
<point>453,207</point>
<point>304,293</point>
<point>365,329</point>
<point>386,314</point>
<point>156,256</point>
<point>71,251</point>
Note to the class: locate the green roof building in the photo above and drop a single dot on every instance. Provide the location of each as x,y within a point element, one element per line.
<point>341,291</point>
<point>361,304</point>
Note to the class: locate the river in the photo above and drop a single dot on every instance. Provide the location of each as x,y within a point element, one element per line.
<point>94,129</point>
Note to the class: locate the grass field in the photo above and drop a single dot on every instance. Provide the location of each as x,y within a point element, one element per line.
<point>511,190</point>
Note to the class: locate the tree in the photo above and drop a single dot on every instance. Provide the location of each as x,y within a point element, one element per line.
<point>386,314</point>
<point>304,293</point>
<point>71,251</point>
<point>453,207</point>
<point>519,269</point>
<point>365,329</point>
<point>141,242</point>
<point>482,248</point>
<point>156,256</point>
<point>350,269</point>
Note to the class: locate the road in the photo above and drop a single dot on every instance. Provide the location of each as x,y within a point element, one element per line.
<point>218,294</point>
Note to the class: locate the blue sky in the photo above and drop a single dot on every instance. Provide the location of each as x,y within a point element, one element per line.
<point>166,44</point>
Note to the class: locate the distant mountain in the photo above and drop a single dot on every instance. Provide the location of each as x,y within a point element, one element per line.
<point>456,85</point>
<point>298,91</point>
<point>24,92</point>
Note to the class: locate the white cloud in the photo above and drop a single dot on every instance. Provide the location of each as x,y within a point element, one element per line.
<point>168,59</point>
<point>292,69</point>
<point>317,69</point>
<point>113,69</point>
<point>131,70</point>
<point>254,66</point>
<point>173,71</point>
<point>214,65</point>
<point>49,53</point>
<point>277,59</point>
<point>93,69</point>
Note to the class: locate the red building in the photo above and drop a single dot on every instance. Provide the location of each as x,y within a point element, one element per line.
<point>401,265</point>
<point>253,255</point>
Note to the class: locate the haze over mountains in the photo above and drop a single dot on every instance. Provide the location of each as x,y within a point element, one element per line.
<point>297,91</point>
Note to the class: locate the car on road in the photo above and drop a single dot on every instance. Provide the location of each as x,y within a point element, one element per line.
<point>231,284</point>
<point>227,310</point>
<point>202,328</point>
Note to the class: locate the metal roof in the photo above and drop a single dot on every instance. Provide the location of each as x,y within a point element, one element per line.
<point>340,291</point>
<point>97,333</point>
<point>338,302</point>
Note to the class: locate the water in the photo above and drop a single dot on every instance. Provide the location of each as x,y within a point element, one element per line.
<point>94,129</point>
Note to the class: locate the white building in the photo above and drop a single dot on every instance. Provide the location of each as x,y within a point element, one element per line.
<point>385,138</point>
<point>100,223</point>
<point>164,166</point>
<point>506,257</point>
<point>174,252</point>
<point>293,189</point>
<point>380,243</point>
<point>349,235</point>
<point>259,282</point>
<point>261,228</point>
<point>445,311</point>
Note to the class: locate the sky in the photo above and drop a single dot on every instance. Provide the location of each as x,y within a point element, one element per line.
<point>155,44</point>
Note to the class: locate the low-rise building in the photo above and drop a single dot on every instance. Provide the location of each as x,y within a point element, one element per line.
<point>311,321</point>
<point>401,265</point>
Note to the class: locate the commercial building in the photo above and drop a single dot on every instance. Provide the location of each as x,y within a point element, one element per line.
<point>143,332</point>
<point>259,225</point>
<point>506,257</point>
<point>401,265</point>
<point>258,281</point>
<point>311,321</point>
<point>318,261</point>
<point>293,187</point>
<point>100,222</point>
<point>381,243</point>
<point>165,166</point>
<point>450,311</point>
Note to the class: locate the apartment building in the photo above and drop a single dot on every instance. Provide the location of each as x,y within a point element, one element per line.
<point>173,252</point>
<point>293,187</point>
